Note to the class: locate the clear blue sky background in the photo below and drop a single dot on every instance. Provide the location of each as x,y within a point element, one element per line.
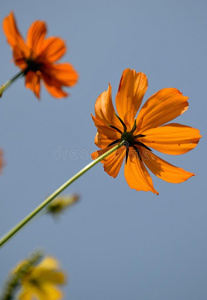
<point>116,243</point>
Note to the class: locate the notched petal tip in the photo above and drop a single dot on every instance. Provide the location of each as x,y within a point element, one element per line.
<point>136,174</point>
<point>185,108</point>
<point>165,170</point>
<point>173,138</point>
<point>132,88</point>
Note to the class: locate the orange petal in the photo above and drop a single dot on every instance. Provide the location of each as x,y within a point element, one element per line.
<point>53,48</point>
<point>11,30</point>
<point>113,162</point>
<point>161,108</point>
<point>132,88</point>
<point>19,57</point>
<point>106,132</point>
<point>32,81</point>
<point>172,138</point>
<point>98,153</point>
<point>137,175</point>
<point>103,128</point>
<point>35,36</point>
<point>13,35</point>
<point>54,77</point>
<point>166,171</point>
<point>54,88</point>
<point>64,73</point>
<point>1,160</point>
<point>103,141</point>
<point>104,109</point>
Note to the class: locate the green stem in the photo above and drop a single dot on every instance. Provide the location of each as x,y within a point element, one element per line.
<point>29,217</point>
<point>9,82</point>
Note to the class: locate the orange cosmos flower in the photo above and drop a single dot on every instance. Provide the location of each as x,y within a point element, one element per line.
<point>37,57</point>
<point>140,134</point>
<point>1,160</point>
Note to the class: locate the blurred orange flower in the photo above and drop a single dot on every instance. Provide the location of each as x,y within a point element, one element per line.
<point>1,160</point>
<point>142,132</point>
<point>37,57</point>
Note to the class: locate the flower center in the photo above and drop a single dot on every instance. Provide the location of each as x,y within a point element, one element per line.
<point>128,137</point>
<point>130,140</point>
<point>34,282</point>
<point>32,65</point>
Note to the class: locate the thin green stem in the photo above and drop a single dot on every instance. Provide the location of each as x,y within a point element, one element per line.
<point>29,217</point>
<point>9,82</point>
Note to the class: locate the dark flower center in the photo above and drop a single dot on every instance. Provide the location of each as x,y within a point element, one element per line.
<point>35,282</point>
<point>130,140</point>
<point>128,137</point>
<point>32,65</point>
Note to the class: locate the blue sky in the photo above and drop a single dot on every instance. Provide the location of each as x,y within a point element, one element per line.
<point>116,243</point>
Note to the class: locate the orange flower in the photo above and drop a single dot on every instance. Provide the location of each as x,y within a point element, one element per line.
<point>142,132</point>
<point>1,160</point>
<point>37,56</point>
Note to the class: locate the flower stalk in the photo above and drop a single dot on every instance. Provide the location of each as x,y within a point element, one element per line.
<point>10,81</point>
<point>30,216</point>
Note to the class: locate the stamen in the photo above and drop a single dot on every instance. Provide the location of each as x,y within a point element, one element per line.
<point>136,149</point>
<point>134,127</point>
<point>125,128</point>
<point>114,142</point>
<point>139,135</point>
<point>115,128</point>
<point>142,145</point>
<point>127,153</point>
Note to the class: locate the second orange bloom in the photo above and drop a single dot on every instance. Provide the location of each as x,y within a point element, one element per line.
<point>37,57</point>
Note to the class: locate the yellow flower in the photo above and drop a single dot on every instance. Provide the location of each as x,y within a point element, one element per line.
<point>40,282</point>
<point>61,203</point>
<point>147,130</point>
